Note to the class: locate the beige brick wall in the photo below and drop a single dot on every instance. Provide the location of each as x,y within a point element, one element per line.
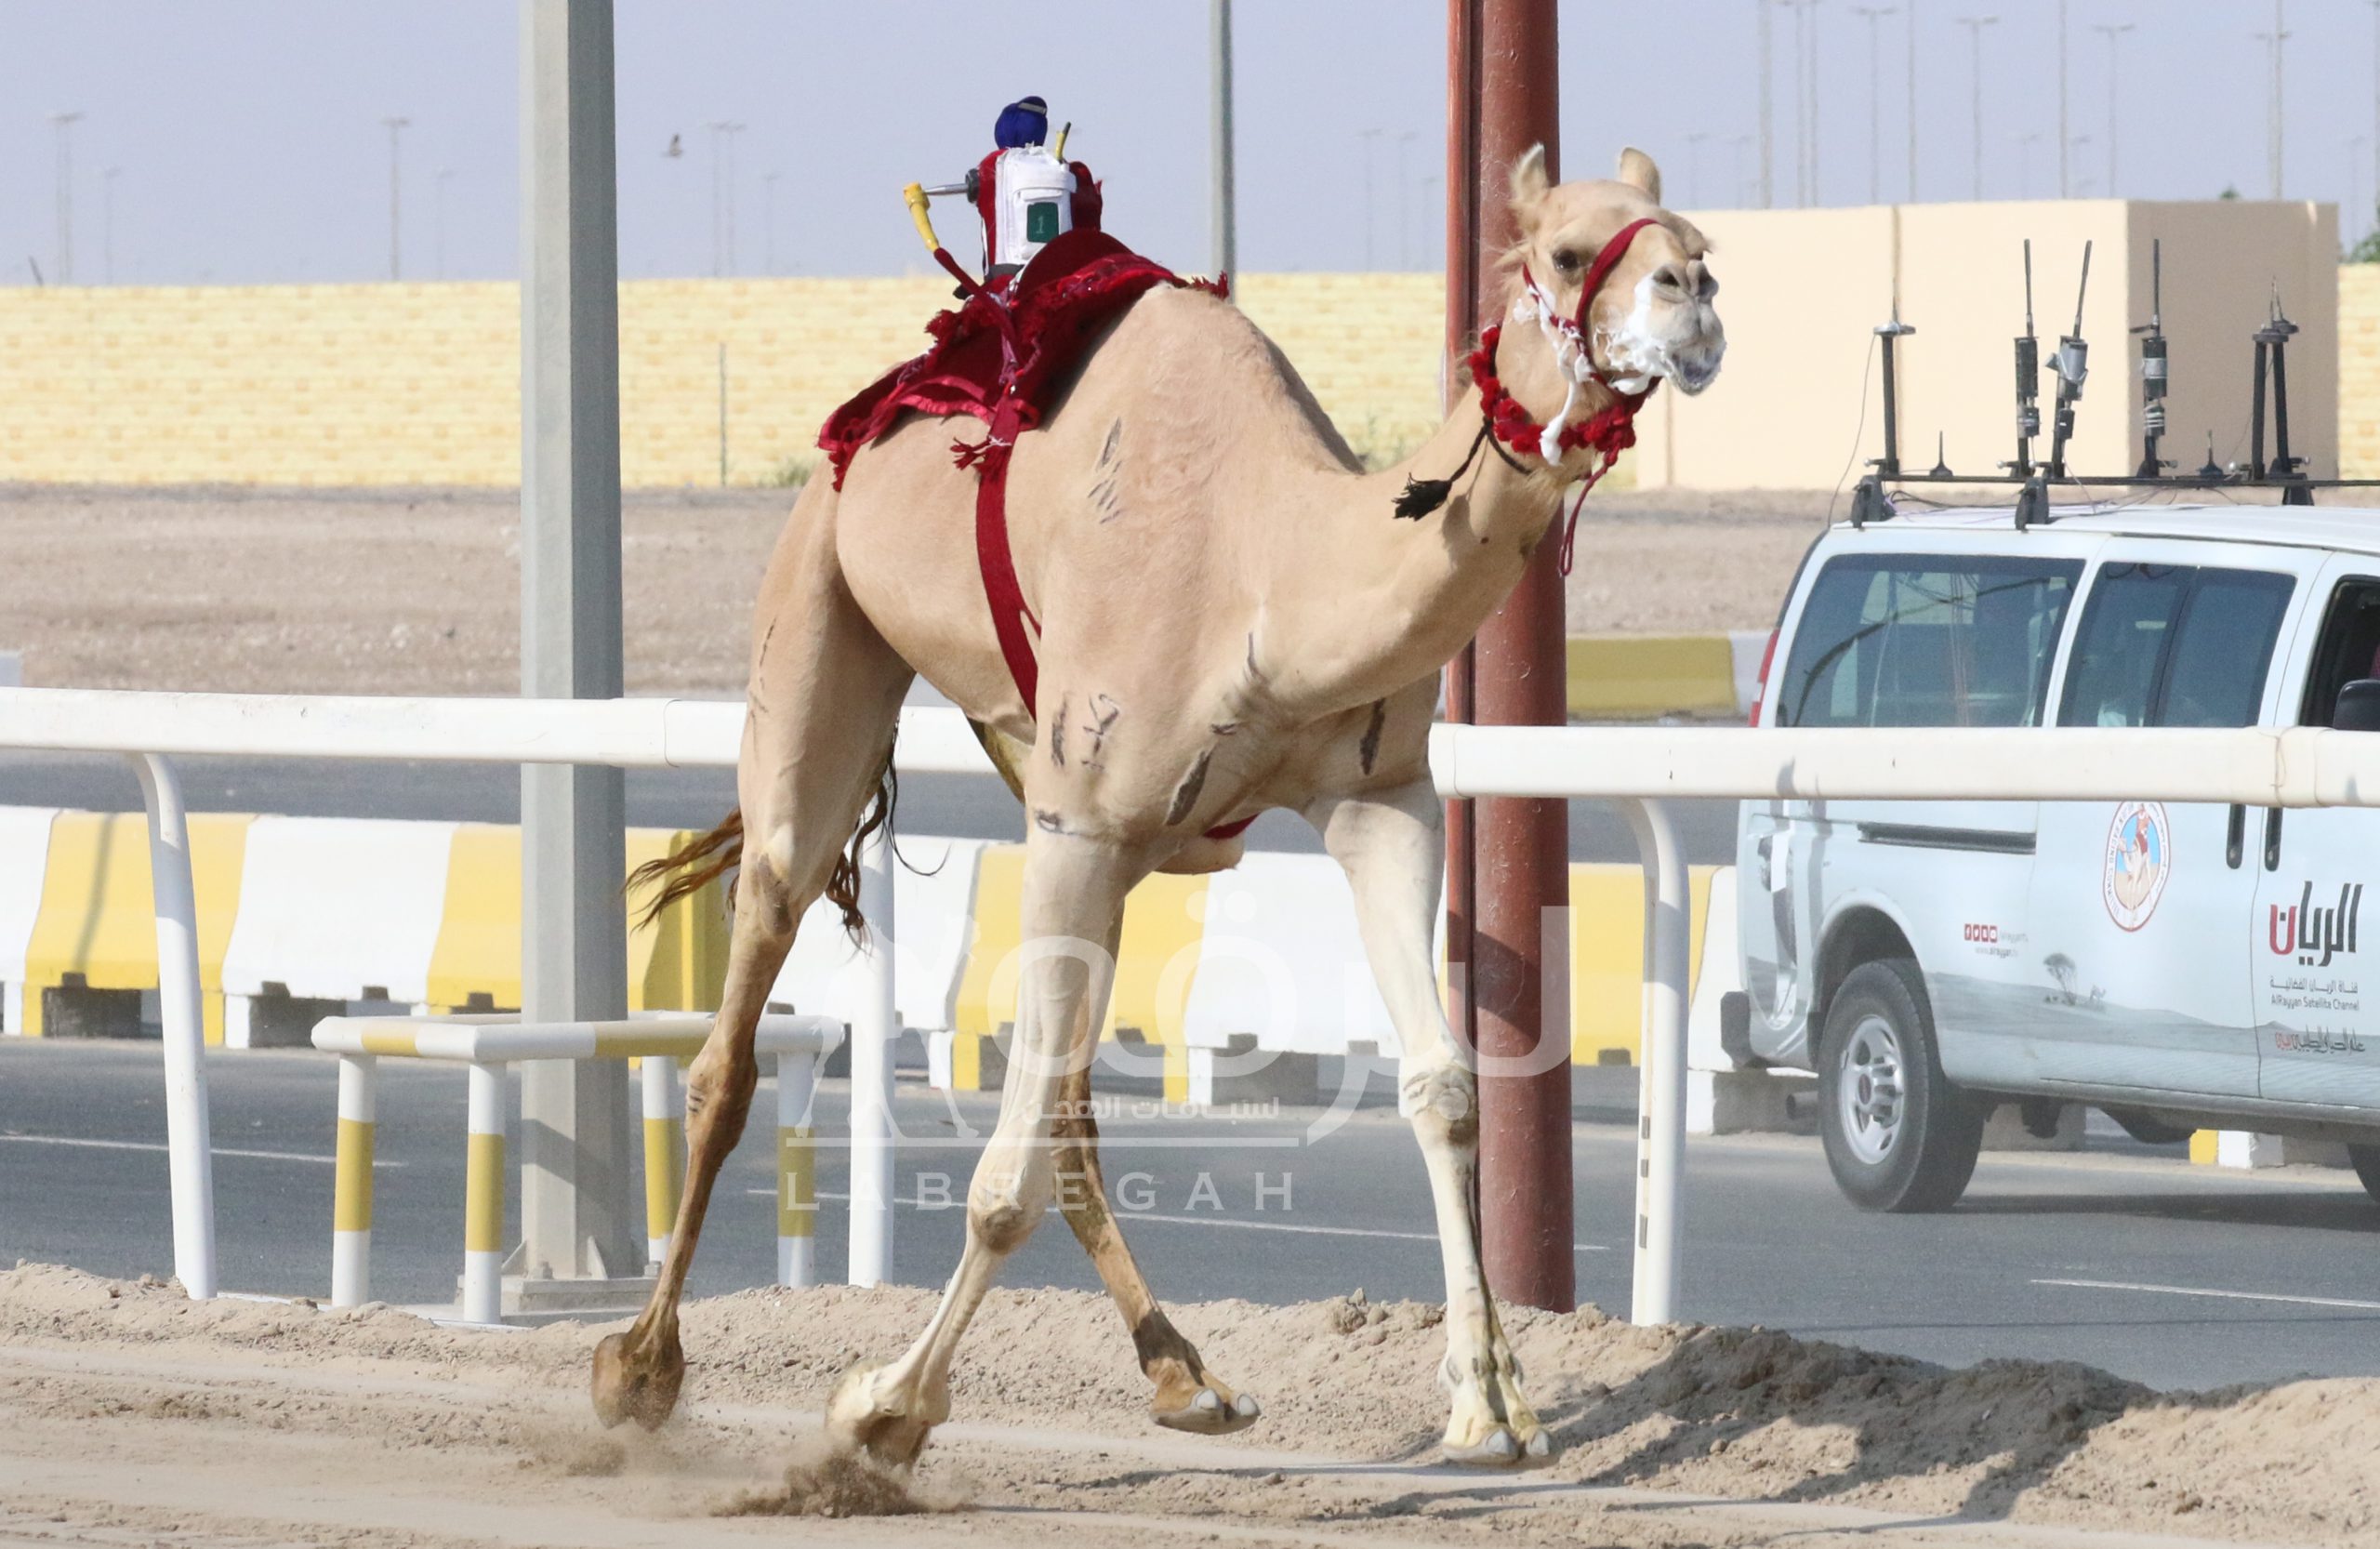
<point>396,384</point>
<point>2359,370</point>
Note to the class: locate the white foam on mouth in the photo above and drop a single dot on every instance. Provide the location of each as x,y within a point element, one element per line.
<point>1636,356</point>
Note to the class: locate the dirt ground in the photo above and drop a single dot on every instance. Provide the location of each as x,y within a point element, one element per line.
<point>417,592</point>
<point>130,1415</point>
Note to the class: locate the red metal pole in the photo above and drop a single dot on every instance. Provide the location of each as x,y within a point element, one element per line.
<point>1516,868</point>
<point>1462,326</point>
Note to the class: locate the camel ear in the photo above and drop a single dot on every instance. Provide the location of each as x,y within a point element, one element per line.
<point>1636,169</point>
<point>1530,185</point>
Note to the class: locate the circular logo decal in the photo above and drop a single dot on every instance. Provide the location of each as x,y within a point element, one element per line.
<point>2137,863</point>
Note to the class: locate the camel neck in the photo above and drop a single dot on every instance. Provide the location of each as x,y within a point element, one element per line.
<point>1394,597</point>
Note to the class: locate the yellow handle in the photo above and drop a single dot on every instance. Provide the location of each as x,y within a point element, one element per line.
<point>915,195</point>
<point>1060,150</point>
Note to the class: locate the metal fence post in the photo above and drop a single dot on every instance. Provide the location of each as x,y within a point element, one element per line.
<point>483,1199</point>
<point>665,1152</point>
<point>797,1167</point>
<point>873,1033</point>
<point>189,1153</point>
<point>351,1186</point>
<point>1660,1123</point>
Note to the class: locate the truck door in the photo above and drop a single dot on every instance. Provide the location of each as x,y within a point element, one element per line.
<point>2318,1028</point>
<point>1915,640</point>
<point>2139,909</point>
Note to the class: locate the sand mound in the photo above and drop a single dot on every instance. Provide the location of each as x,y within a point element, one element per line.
<point>1749,1414</point>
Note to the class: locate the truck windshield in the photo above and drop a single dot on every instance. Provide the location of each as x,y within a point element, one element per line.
<point>1926,639</point>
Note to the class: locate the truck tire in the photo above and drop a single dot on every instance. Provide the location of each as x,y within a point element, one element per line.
<point>2366,1162</point>
<point>1898,1136</point>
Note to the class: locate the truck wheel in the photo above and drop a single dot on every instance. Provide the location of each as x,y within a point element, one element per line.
<point>2366,1162</point>
<point>1898,1135</point>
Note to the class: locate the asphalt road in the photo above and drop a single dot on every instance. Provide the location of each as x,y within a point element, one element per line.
<point>958,806</point>
<point>2173,1275</point>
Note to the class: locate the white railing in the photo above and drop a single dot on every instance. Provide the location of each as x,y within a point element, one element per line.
<point>1636,766</point>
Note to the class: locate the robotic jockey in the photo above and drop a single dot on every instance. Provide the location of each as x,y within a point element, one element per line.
<point>1025,193</point>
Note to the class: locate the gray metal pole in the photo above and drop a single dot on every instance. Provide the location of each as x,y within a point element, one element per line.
<point>578,1216</point>
<point>1913,101</point>
<point>64,267</point>
<point>1974,26</point>
<point>1222,216</point>
<point>2114,34</point>
<point>396,264</point>
<point>1768,113</point>
<point>2065,183</point>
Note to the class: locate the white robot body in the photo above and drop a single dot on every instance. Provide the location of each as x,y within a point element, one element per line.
<point>1032,205</point>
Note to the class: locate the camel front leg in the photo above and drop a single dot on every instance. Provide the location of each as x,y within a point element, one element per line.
<point>1392,846</point>
<point>1074,896</point>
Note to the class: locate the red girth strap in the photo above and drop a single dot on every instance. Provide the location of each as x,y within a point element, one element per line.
<point>1013,619</point>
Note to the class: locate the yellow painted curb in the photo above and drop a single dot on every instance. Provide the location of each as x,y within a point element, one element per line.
<point>1622,677</point>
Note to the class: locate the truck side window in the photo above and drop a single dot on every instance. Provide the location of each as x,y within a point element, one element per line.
<point>2171,645</point>
<point>1926,639</point>
<point>2349,648</point>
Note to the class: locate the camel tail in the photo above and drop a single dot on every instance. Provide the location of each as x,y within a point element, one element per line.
<point>693,867</point>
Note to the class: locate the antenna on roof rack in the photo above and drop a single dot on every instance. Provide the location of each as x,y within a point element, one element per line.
<point>2072,364</point>
<point>2273,344</point>
<point>2029,380</point>
<point>1887,336</point>
<point>2154,368</point>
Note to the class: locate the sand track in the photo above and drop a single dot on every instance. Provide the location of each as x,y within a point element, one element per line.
<point>129,1415</point>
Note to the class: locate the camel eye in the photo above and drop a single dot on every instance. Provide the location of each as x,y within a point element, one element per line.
<point>1567,260</point>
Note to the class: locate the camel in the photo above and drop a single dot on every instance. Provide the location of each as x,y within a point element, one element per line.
<point>1237,617</point>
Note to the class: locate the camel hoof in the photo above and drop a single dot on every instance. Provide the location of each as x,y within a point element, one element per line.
<point>639,1383</point>
<point>1207,1414</point>
<point>857,1422</point>
<point>1500,1449</point>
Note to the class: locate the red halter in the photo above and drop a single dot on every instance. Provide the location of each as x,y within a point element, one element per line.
<point>1610,430</point>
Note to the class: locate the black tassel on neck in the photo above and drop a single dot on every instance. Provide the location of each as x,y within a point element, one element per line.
<point>1424,495</point>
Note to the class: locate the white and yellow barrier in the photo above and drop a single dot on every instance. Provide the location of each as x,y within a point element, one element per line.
<point>487,1045</point>
<point>24,863</point>
<point>424,914</point>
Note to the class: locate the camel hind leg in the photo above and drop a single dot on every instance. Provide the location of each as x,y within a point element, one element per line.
<point>1188,1397</point>
<point>823,700</point>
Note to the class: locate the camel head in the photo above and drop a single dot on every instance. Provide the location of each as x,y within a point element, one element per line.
<point>1651,317</point>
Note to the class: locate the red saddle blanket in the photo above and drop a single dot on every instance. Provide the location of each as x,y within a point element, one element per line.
<point>999,357</point>
<point>1005,346</point>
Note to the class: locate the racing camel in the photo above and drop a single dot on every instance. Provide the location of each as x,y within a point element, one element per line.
<point>1234,617</point>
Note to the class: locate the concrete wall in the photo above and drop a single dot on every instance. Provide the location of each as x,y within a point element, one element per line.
<point>378,384</point>
<point>1801,291</point>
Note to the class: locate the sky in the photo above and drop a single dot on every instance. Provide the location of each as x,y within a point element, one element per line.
<point>242,141</point>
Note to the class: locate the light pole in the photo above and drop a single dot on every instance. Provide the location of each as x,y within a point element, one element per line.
<point>1694,169</point>
<point>1913,97</point>
<point>722,195</point>
<point>1368,136</point>
<point>396,262</point>
<point>65,264</point>
<point>1974,26</point>
<point>1873,14</point>
<point>1403,212</point>
<point>2065,183</point>
<point>1737,189</point>
<point>1768,114</point>
<point>768,223</point>
<point>2354,187</point>
<point>2025,143</point>
<point>439,180</point>
<point>2273,40</point>
<point>107,224</point>
<point>2113,32</point>
<point>1801,104</point>
<point>2081,142</point>
<point>1816,104</point>
<point>1223,221</point>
